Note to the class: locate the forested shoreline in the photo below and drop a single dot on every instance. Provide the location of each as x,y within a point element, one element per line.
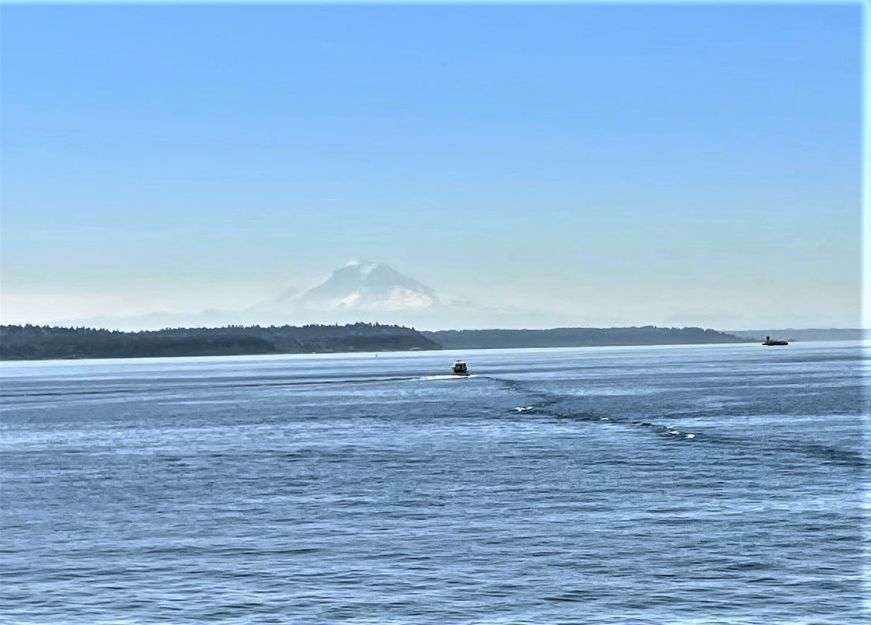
<point>33,342</point>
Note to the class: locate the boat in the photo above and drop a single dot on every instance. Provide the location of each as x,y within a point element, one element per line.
<point>771,342</point>
<point>460,368</point>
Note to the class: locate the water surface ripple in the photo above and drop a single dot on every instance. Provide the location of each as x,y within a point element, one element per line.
<point>691,485</point>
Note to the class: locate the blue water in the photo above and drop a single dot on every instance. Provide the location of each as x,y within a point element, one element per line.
<point>700,484</point>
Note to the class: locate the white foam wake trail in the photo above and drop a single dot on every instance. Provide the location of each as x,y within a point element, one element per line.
<point>449,376</point>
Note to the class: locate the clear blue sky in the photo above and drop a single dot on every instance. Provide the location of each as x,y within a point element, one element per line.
<point>620,164</point>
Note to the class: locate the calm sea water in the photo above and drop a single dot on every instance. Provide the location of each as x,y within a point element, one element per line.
<point>702,484</point>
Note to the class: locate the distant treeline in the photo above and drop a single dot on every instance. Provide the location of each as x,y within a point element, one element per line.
<point>810,334</point>
<point>578,337</point>
<point>31,342</point>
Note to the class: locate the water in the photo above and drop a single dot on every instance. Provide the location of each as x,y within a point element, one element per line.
<point>702,484</point>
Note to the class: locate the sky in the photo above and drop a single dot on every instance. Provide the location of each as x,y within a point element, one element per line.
<point>617,165</point>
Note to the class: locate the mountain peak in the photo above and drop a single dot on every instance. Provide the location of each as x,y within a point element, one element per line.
<point>367,286</point>
<point>363,266</point>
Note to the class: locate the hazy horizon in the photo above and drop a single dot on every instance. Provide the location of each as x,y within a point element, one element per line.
<point>554,165</point>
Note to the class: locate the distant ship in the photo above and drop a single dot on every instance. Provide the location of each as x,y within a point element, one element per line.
<point>768,341</point>
<point>460,368</point>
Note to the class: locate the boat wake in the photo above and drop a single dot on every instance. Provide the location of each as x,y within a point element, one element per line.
<point>555,406</point>
<point>448,376</point>
<point>551,405</point>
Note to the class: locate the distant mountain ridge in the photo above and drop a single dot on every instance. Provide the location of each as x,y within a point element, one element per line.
<point>359,291</point>
<point>374,292</point>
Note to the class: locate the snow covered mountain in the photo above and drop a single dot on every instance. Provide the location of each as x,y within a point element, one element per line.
<point>369,286</point>
<point>358,291</point>
<point>366,287</point>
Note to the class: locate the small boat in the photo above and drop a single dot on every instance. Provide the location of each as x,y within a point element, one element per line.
<point>460,368</point>
<point>770,342</point>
